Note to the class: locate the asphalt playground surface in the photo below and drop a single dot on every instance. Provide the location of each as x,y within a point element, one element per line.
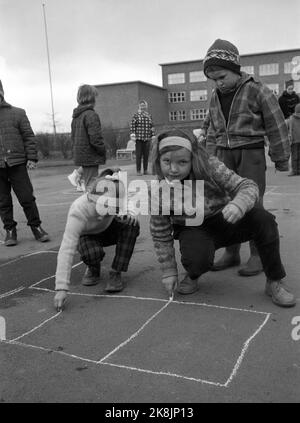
<point>226,343</point>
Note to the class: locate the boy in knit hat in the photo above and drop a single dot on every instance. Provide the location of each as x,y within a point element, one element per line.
<point>90,227</point>
<point>18,153</point>
<point>242,112</point>
<point>294,127</point>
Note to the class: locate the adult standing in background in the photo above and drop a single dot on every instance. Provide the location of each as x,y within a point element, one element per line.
<point>288,100</point>
<point>18,153</point>
<point>142,128</point>
<point>86,134</point>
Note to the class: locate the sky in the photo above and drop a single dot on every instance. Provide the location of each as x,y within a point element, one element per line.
<point>108,41</point>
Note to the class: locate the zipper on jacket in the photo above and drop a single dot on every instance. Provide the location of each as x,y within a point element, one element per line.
<point>227,125</point>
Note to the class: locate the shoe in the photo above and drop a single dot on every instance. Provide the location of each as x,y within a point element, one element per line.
<point>279,293</point>
<point>91,276</point>
<point>11,238</point>
<point>253,267</point>
<point>292,174</point>
<point>114,283</point>
<point>139,173</point>
<point>187,286</point>
<point>74,177</point>
<point>40,234</point>
<point>146,172</point>
<point>225,262</point>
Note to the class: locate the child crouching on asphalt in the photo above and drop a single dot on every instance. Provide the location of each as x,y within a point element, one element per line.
<point>230,216</point>
<point>90,228</point>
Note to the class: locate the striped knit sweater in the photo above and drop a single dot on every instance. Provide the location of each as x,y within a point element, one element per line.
<point>228,187</point>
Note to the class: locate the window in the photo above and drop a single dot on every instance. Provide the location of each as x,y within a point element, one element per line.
<point>176,78</point>
<point>274,88</point>
<point>178,115</point>
<point>248,69</point>
<point>297,87</point>
<point>198,95</point>
<point>177,97</point>
<point>198,114</point>
<point>197,76</point>
<point>269,69</point>
<point>288,67</point>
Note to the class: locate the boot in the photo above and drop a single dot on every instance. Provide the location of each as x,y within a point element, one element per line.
<point>40,234</point>
<point>187,286</point>
<point>230,258</point>
<point>11,238</point>
<point>254,264</point>
<point>114,283</point>
<point>91,276</point>
<point>279,293</point>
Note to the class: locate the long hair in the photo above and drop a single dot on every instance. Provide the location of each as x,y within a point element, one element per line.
<point>200,165</point>
<point>87,94</point>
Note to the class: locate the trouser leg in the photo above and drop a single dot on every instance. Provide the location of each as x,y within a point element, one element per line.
<point>23,189</point>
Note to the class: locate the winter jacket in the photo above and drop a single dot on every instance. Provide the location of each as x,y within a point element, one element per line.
<point>88,145</point>
<point>294,124</point>
<point>17,140</point>
<point>288,102</point>
<point>254,114</point>
<point>226,187</point>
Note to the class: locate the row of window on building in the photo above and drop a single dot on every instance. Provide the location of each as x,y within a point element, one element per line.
<point>201,95</point>
<point>199,76</point>
<point>195,114</point>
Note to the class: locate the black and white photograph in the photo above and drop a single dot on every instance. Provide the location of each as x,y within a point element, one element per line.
<point>149,205</point>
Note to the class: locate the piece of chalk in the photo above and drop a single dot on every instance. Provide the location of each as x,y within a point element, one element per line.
<point>171,297</point>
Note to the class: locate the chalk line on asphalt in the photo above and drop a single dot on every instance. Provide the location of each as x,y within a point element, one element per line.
<point>14,291</point>
<point>135,334</point>
<point>244,350</point>
<point>28,255</point>
<point>37,327</point>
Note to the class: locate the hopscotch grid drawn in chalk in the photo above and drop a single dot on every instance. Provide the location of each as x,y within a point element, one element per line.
<point>135,334</point>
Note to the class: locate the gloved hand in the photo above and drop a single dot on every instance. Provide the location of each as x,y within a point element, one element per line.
<point>282,165</point>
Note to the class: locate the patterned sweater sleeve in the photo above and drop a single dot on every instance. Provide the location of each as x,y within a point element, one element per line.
<point>161,231</point>
<point>243,191</point>
<point>133,125</point>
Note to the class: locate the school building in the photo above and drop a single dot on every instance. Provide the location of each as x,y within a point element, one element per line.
<point>183,99</point>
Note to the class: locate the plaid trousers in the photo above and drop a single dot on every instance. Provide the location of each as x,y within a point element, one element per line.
<point>119,233</point>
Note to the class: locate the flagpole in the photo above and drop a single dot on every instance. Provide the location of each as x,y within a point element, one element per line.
<point>49,70</point>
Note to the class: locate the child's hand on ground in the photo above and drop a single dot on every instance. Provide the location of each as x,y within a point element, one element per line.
<point>170,283</point>
<point>59,300</point>
<point>232,213</point>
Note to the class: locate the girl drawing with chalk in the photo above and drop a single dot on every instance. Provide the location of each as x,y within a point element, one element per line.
<point>230,217</point>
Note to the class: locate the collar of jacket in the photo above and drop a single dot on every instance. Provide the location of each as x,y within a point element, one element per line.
<point>82,108</point>
<point>4,104</point>
<point>245,77</point>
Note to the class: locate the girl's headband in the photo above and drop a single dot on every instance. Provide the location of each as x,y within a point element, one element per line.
<point>179,141</point>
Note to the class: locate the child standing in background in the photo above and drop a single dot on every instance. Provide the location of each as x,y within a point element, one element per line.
<point>88,145</point>
<point>294,128</point>
<point>230,217</point>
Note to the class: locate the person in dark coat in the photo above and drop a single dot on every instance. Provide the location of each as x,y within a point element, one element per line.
<point>288,100</point>
<point>89,150</point>
<point>18,153</point>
